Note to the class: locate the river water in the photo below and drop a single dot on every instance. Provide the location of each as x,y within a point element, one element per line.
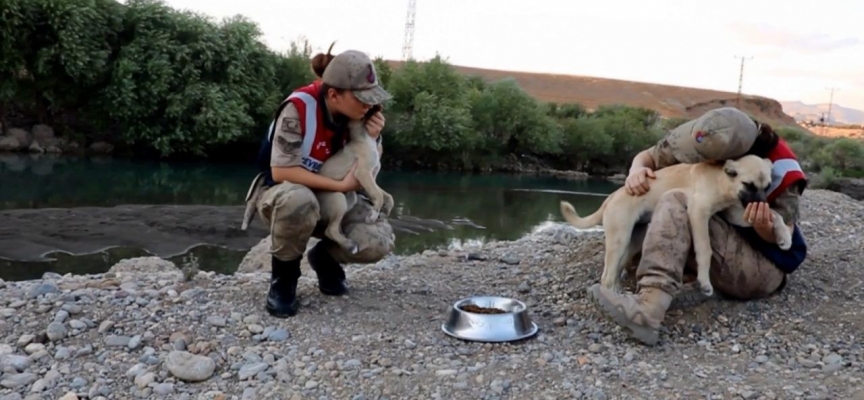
<point>479,207</point>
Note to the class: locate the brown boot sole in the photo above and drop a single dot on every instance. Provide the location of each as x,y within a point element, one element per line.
<point>617,315</point>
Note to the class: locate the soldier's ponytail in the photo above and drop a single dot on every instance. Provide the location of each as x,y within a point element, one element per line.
<point>321,60</point>
<point>765,141</point>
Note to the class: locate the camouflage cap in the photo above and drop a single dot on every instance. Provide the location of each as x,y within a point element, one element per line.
<point>719,134</point>
<point>355,71</point>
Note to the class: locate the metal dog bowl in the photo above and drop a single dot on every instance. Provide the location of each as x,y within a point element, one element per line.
<point>514,324</point>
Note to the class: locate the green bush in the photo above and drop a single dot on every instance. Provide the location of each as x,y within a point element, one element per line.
<point>840,156</point>
<point>153,79</point>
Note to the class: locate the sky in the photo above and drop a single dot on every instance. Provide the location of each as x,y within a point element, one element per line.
<point>794,49</point>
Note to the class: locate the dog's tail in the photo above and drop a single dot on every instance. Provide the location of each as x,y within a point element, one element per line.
<point>573,218</point>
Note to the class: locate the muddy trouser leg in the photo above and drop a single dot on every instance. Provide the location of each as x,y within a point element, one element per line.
<point>375,241</point>
<point>292,212</point>
<point>737,269</point>
<point>664,251</point>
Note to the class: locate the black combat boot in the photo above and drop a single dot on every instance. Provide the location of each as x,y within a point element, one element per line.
<point>282,298</point>
<point>331,276</point>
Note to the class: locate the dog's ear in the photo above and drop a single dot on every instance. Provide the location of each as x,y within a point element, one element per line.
<point>730,168</point>
<point>768,162</point>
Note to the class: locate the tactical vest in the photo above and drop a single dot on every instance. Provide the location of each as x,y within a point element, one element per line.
<point>317,144</point>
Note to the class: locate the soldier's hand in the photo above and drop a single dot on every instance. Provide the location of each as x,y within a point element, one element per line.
<point>375,124</point>
<point>350,182</point>
<point>637,182</point>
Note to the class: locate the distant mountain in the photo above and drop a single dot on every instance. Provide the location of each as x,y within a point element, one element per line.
<point>811,112</point>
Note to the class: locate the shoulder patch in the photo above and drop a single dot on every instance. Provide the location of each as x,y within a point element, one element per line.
<point>291,125</point>
<point>289,144</point>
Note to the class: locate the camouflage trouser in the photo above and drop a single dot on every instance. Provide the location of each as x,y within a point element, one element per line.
<point>293,215</point>
<point>737,269</point>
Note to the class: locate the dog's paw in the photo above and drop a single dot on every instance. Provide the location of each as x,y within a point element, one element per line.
<point>352,247</point>
<point>784,242</point>
<point>349,246</point>
<point>618,286</point>
<point>706,287</point>
<point>606,283</point>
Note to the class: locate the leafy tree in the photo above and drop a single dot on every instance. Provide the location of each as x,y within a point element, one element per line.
<point>585,140</point>
<point>384,70</point>
<point>509,120</point>
<point>565,111</point>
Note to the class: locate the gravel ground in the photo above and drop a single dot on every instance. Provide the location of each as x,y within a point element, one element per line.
<point>143,331</point>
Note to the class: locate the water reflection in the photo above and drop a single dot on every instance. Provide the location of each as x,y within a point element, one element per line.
<point>479,208</point>
<point>215,258</point>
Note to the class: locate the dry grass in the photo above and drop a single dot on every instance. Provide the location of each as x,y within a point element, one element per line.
<point>670,101</point>
<point>837,132</point>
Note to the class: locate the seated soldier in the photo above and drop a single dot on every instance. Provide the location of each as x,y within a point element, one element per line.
<point>747,263</point>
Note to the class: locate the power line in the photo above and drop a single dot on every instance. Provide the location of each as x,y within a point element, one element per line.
<point>741,79</point>
<point>408,44</point>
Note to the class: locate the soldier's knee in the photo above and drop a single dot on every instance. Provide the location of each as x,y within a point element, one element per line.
<point>375,251</point>
<point>375,240</point>
<point>295,207</point>
<point>674,197</point>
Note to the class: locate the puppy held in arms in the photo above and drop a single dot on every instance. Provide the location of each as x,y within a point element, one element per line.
<point>711,187</point>
<point>363,149</point>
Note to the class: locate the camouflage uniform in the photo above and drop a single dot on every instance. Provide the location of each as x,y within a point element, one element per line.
<point>737,269</point>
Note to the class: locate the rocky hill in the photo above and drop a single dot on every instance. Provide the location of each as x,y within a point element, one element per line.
<point>670,101</point>
<point>811,112</point>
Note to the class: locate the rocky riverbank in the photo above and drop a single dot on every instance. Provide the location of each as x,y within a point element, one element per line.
<point>41,139</point>
<point>147,329</point>
<point>852,187</point>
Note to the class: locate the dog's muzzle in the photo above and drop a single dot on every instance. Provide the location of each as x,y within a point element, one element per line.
<point>747,197</point>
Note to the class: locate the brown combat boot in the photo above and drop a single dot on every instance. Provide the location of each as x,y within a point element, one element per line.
<point>639,314</point>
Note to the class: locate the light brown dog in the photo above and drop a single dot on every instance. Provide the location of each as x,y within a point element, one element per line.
<point>333,205</point>
<point>711,187</point>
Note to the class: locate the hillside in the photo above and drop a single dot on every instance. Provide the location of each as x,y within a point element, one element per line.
<point>811,112</point>
<point>670,101</point>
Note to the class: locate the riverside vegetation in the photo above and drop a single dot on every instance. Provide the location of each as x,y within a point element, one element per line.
<point>154,81</point>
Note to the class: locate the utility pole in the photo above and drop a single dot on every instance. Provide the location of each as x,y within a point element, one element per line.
<point>830,104</point>
<point>740,80</point>
<point>408,44</point>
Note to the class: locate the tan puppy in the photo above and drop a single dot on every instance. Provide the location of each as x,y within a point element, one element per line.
<point>362,149</point>
<point>710,188</point>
